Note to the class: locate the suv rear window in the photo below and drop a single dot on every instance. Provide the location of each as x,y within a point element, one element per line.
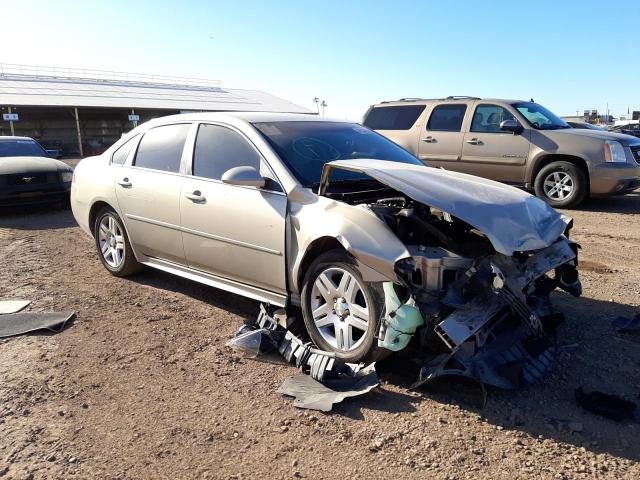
<point>401,117</point>
<point>447,118</point>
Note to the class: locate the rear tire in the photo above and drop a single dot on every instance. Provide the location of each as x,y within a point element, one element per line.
<point>562,185</point>
<point>113,245</point>
<point>341,311</point>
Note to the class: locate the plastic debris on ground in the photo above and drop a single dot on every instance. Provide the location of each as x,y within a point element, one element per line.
<point>326,380</point>
<point>607,405</point>
<point>13,306</point>
<point>311,394</point>
<point>13,324</point>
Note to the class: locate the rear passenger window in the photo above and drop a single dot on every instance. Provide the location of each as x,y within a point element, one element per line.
<point>122,153</point>
<point>219,149</point>
<point>161,147</point>
<point>393,118</point>
<point>489,117</point>
<point>447,118</point>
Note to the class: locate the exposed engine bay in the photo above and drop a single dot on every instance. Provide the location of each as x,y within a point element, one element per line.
<point>464,309</point>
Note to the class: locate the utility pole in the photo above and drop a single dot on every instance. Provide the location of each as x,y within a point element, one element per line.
<point>75,110</point>
<point>316,100</point>
<point>13,132</point>
<point>323,105</point>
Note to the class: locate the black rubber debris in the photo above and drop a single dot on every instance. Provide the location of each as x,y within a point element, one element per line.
<point>607,405</point>
<point>20,323</point>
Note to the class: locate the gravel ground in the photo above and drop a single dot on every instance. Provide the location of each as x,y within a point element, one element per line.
<point>142,386</point>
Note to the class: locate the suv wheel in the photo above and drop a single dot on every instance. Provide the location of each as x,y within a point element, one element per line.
<point>562,184</point>
<point>341,311</point>
<point>113,244</point>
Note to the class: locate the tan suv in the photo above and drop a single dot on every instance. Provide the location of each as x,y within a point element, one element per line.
<point>512,141</point>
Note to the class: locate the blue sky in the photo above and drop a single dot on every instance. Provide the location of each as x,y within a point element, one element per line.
<point>567,55</point>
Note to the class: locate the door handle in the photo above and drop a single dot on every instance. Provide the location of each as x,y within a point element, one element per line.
<point>474,141</point>
<point>195,196</point>
<point>124,183</point>
<point>429,140</point>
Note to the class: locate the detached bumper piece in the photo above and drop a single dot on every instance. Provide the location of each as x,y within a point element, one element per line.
<point>326,380</point>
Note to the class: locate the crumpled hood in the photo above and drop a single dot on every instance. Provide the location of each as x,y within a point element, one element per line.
<point>512,219</point>
<point>12,165</point>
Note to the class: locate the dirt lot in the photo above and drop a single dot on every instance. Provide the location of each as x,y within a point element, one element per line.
<point>142,386</point>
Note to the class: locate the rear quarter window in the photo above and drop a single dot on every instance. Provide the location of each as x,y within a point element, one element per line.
<point>122,153</point>
<point>401,117</point>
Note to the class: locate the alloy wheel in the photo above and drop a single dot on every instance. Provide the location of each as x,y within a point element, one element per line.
<point>339,308</point>
<point>111,241</point>
<point>558,185</point>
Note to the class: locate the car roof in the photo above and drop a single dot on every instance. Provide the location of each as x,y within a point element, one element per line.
<point>13,137</point>
<point>249,117</point>
<point>453,99</point>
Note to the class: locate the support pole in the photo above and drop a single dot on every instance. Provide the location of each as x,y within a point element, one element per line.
<point>78,130</point>
<point>13,132</point>
<point>133,112</point>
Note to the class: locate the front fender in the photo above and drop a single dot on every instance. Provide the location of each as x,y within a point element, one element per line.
<point>356,228</point>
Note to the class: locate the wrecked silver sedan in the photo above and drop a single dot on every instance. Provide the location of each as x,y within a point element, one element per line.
<point>380,252</point>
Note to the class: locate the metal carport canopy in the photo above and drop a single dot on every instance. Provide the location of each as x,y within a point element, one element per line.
<point>17,91</point>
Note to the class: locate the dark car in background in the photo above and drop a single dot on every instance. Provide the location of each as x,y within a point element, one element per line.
<point>28,176</point>
<point>628,129</point>
<point>585,126</point>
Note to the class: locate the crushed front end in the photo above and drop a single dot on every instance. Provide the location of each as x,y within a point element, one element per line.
<point>461,308</point>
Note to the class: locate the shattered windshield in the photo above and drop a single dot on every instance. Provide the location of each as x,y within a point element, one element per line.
<point>21,148</point>
<point>305,147</point>
<point>539,117</point>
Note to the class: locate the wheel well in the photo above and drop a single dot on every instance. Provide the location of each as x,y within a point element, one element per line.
<point>547,159</point>
<point>317,247</point>
<point>93,213</point>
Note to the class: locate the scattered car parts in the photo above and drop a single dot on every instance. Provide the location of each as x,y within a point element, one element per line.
<point>327,380</point>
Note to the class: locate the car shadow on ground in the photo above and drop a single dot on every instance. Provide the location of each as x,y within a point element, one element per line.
<point>236,304</point>
<point>37,217</point>
<point>592,355</point>
<point>625,204</point>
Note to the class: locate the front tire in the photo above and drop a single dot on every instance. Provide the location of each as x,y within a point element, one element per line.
<point>341,311</point>
<point>562,185</point>
<point>113,244</point>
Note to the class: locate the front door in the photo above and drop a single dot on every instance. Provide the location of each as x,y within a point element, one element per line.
<point>148,193</point>
<point>441,140</point>
<point>235,232</point>
<point>490,152</point>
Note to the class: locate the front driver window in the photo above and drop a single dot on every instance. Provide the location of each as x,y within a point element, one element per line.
<point>487,118</point>
<point>219,149</point>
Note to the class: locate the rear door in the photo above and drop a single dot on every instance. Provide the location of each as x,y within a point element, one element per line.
<point>148,192</point>
<point>441,139</point>
<point>399,123</point>
<point>490,152</point>
<point>235,232</point>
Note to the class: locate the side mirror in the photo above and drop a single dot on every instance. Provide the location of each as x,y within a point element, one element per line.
<point>512,126</point>
<point>243,176</point>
